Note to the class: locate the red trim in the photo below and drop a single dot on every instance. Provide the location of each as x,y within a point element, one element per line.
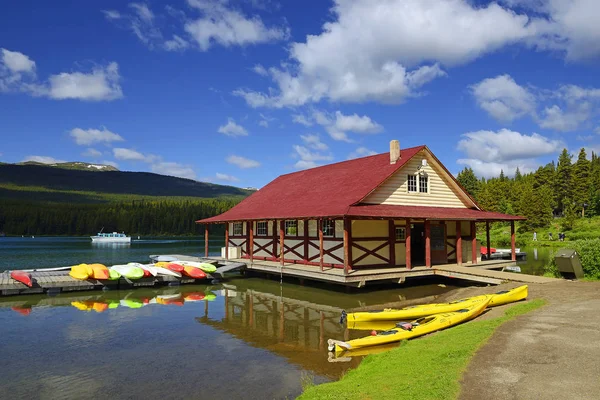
<point>408,237</point>
<point>206,241</point>
<point>428,243</point>
<point>227,241</point>
<point>368,252</point>
<point>473,243</point>
<point>458,243</point>
<point>392,242</point>
<point>487,236</point>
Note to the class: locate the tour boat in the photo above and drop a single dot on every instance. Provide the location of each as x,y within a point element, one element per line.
<point>114,237</point>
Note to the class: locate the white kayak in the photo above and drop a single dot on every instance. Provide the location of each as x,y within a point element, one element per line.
<point>129,271</point>
<point>163,258</point>
<point>150,268</point>
<point>168,272</point>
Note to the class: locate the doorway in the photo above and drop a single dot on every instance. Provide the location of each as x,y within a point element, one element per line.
<point>417,244</point>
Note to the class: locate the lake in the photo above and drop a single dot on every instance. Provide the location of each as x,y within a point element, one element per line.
<point>244,338</point>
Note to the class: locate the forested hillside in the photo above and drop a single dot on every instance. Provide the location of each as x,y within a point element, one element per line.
<point>565,188</point>
<point>39,200</point>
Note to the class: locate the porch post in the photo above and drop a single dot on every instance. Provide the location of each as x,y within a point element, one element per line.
<point>347,244</point>
<point>513,251</point>
<point>206,240</point>
<point>458,243</point>
<point>487,238</point>
<point>320,223</point>
<point>392,242</point>
<point>227,241</point>
<point>306,257</point>
<point>473,243</point>
<point>407,243</point>
<point>251,231</point>
<point>281,249</point>
<point>428,243</point>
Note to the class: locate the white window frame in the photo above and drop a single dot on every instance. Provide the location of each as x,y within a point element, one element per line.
<point>236,231</point>
<point>328,228</point>
<point>416,184</point>
<point>289,224</point>
<point>426,184</point>
<point>400,233</point>
<point>262,228</point>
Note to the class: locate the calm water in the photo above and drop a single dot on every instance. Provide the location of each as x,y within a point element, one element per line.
<point>246,338</point>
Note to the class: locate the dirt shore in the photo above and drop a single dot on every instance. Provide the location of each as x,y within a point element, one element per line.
<point>553,352</point>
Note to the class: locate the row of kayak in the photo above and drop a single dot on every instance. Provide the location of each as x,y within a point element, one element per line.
<point>418,320</point>
<point>174,299</point>
<point>177,269</point>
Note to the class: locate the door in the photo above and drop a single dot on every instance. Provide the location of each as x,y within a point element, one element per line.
<point>417,244</point>
<point>439,253</point>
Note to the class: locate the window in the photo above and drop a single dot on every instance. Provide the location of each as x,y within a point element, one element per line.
<point>423,184</point>
<point>400,233</point>
<point>261,228</point>
<point>238,229</point>
<point>412,183</point>
<point>328,228</point>
<point>291,228</point>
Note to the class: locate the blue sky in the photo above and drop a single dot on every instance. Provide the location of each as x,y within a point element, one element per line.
<point>238,92</point>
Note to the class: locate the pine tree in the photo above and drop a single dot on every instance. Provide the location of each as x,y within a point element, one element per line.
<point>469,181</point>
<point>563,186</point>
<point>581,181</point>
<point>518,175</point>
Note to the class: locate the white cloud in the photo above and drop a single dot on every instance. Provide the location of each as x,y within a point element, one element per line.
<point>92,153</point>
<point>265,120</point>
<point>338,125</point>
<point>263,123</point>
<point>226,178</point>
<point>301,119</point>
<point>260,70</point>
<point>111,14</point>
<point>108,162</point>
<point>173,169</point>
<point>242,162</point>
<point>361,152</point>
<point>176,44</point>
<point>143,12</point>
<point>128,155</point>
<point>314,142</point>
<point>308,158</point>
<point>554,117</point>
<point>43,159</point>
<point>228,27</point>
<point>17,62</point>
<point>488,152</point>
<point>408,42</point>
<point>503,98</point>
<point>101,84</point>
<point>85,137</point>
<point>232,129</point>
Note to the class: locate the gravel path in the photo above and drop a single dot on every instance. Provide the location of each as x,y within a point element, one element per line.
<point>553,352</point>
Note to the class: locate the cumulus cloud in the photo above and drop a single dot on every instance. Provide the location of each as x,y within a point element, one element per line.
<point>226,178</point>
<point>488,152</point>
<point>227,27</point>
<point>302,120</point>
<point>86,137</point>
<point>309,157</point>
<point>314,142</point>
<point>128,154</point>
<point>503,98</point>
<point>242,162</point>
<point>361,152</point>
<point>17,74</point>
<point>260,70</point>
<point>554,117</point>
<point>232,129</point>
<point>337,125</point>
<point>173,169</point>
<point>43,159</point>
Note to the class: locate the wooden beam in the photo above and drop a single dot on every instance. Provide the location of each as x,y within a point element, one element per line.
<point>458,243</point>
<point>392,242</point>
<point>306,256</point>
<point>251,234</point>
<point>473,243</point>
<point>408,241</point>
<point>206,240</point>
<point>321,243</point>
<point>487,238</point>
<point>281,234</point>
<point>227,241</point>
<point>513,251</point>
<point>347,245</point>
<point>428,243</point>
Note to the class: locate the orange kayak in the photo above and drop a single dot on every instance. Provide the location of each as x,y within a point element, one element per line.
<point>174,267</point>
<point>99,271</point>
<point>22,276</point>
<point>194,272</point>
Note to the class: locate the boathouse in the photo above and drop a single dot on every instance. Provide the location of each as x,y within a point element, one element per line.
<point>400,209</point>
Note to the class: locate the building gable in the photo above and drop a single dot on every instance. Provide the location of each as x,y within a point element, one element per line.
<point>442,190</point>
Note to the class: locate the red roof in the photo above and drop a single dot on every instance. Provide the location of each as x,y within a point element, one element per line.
<point>331,191</point>
<point>391,211</point>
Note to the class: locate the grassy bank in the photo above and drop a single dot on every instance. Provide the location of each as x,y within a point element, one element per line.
<point>427,368</point>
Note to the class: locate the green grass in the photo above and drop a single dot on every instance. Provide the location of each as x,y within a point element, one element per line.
<point>427,368</point>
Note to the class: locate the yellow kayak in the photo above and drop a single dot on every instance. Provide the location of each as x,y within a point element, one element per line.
<point>81,271</point>
<point>499,298</point>
<point>409,330</point>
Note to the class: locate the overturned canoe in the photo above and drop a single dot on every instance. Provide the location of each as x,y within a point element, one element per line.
<point>99,271</point>
<point>177,267</point>
<point>167,272</point>
<point>499,298</point>
<point>206,267</point>
<point>193,272</point>
<point>128,271</point>
<point>81,271</point>
<point>409,330</point>
<point>22,276</point>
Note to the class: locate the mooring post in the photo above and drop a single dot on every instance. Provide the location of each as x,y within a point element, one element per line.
<point>206,240</point>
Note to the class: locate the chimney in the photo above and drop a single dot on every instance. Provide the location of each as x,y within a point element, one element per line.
<point>394,151</point>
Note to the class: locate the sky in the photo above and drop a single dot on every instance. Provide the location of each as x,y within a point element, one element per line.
<point>240,91</point>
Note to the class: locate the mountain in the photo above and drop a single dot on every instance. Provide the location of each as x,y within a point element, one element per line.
<point>73,165</point>
<point>81,182</point>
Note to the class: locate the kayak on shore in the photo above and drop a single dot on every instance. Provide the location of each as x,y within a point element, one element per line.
<point>497,299</point>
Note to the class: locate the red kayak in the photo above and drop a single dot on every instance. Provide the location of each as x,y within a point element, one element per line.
<point>21,276</point>
<point>194,272</point>
<point>174,267</point>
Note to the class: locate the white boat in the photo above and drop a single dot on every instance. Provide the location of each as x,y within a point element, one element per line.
<point>114,237</point>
